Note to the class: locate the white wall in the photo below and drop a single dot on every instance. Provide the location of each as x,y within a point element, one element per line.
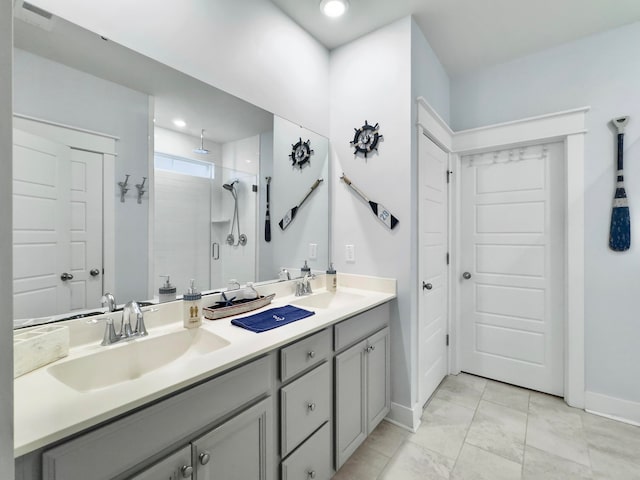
<point>182,145</point>
<point>290,247</point>
<point>6,279</point>
<point>248,48</point>
<point>371,80</point>
<point>55,92</point>
<point>602,71</point>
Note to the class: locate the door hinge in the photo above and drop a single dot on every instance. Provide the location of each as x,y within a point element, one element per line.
<point>447,258</point>
<point>449,173</point>
<point>447,339</point>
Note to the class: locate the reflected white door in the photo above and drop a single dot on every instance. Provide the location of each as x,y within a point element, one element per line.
<point>86,229</point>
<point>41,196</point>
<point>432,328</point>
<point>512,239</point>
<point>57,227</point>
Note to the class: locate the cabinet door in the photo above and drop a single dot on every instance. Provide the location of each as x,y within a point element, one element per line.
<point>239,449</point>
<point>378,384</point>
<point>351,426</point>
<point>174,467</point>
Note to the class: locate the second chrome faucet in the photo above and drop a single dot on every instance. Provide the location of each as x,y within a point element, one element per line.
<point>127,331</point>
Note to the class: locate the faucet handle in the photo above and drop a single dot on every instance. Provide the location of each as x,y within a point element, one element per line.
<point>110,335</point>
<point>141,329</point>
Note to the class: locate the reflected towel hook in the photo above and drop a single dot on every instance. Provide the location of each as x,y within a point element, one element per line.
<point>123,187</point>
<point>141,190</point>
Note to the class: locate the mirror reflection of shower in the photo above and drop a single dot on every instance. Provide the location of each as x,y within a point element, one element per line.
<point>235,222</point>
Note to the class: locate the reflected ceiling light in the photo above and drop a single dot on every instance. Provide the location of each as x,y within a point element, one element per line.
<point>179,123</point>
<point>334,8</point>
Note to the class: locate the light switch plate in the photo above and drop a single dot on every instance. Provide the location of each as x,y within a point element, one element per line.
<point>313,251</point>
<point>350,253</point>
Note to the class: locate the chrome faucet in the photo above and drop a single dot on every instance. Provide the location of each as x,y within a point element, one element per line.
<point>127,332</point>
<point>303,287</point>
<point>109,301</point>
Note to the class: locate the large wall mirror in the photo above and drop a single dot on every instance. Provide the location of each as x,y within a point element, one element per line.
<point>112,191</point>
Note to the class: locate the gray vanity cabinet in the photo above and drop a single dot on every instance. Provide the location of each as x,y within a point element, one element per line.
<point>239,449</point>
<point>176,466</point>
<point>362,395</point>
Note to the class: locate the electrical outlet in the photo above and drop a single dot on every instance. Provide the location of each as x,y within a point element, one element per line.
<point>313,251</point>
<point>350,253</point>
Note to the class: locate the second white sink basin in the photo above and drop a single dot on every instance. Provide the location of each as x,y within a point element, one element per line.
<point>131,360</point>
<point>327,300</point>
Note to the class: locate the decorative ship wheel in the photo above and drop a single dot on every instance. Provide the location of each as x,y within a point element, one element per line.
<point>366,139</point>
<point>300,153</point>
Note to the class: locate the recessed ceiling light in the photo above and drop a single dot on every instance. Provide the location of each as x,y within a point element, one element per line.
<point>179,123</point>
<point>334,8</point>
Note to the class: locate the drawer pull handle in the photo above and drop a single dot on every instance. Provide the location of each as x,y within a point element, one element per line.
<point>311,407</point>
<point>204,458</point>
<point>186,471</point>
<point>311,354</point>
<point>311,474</point>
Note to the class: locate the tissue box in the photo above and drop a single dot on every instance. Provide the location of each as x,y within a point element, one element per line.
<point>38,347</point>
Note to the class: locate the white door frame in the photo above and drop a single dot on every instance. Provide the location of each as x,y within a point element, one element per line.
<point>91,141</point>
<point>568,127</point>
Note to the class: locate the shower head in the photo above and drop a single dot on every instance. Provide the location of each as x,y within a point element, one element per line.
<point>230,186</point>
<point>201,150</point>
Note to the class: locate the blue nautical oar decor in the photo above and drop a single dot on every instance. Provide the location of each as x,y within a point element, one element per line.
<point>620,230</point>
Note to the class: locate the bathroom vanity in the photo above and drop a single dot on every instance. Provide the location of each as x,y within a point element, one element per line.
<point>292,403</point>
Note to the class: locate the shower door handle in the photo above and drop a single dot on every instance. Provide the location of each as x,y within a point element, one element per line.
<point>215,251</point>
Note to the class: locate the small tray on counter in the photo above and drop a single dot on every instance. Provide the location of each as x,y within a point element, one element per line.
<point>217,312</point>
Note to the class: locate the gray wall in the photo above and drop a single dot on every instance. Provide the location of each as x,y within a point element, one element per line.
<point>602,71</point>
<point>55,92</point>
<point>6,276</point>
<point>361,90</point>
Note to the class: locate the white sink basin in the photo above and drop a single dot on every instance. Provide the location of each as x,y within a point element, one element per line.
<point>133,359</point>
<point>327,300</point>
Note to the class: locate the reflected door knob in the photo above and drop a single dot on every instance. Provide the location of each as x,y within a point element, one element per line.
<point>66,276</point>
<point>186,471</point>
<point>466,275</point>
<point>94,272</point>
<point>427,286</point>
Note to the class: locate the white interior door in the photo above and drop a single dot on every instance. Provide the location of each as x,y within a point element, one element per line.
<point>433,238</point>
<point>86,229</point>
<point>57,234</point>
<point>41,233</point>
<point>512,240</point>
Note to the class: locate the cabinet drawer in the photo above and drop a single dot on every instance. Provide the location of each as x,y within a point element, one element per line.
<point>360,326</point>
<point>133,439</point>
<point>304,354</point>
<point>312,460</point>
<point>304,406</point>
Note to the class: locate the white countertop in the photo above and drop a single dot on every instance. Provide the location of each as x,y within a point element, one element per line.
<point>47,410</point>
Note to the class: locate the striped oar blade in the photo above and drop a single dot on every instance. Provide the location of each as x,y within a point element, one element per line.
<point>620,229</point>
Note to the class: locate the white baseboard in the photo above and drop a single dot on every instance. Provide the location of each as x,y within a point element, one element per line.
<point>612,407</point>
<point>405,417</point>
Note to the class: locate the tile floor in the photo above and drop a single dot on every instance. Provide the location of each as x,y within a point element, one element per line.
<point>475,428</point>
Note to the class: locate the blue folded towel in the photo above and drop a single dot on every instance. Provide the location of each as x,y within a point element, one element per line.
<point>272,318</point>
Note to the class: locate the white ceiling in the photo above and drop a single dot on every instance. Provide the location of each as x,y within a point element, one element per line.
<point>470,34</point>
<point>224,117</point>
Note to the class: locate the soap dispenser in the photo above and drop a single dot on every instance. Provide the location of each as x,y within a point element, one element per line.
<point>305,270</point>
<point>331,279</point>
<point>167,292</point>
<point>192,307</point>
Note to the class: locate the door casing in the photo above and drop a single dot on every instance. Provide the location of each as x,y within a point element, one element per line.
<point>568,127</point>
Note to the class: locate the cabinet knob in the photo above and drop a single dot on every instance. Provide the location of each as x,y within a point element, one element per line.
<point>186,471</point>
<point>311,354</point>
<point>204,458</point>
<point>311,407</point>
<point>66,276</point>
<point>311,474</point>
<point>466,275</point>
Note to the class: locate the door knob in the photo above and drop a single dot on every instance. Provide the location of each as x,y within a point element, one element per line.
<point>94,272</point>
<point>466,275</point>
<point>66,276</point>
<point>204,458</point>
<point>426,286</point>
